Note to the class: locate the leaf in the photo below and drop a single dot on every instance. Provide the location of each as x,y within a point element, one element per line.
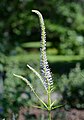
<point>39,107</point>
<point>58,106</point>
<point>55,102</point>
<point>30,85</point>
<point>25,80</point>
<point>36,73</point>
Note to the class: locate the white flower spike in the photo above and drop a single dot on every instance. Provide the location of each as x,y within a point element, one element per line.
<point>45,71</point>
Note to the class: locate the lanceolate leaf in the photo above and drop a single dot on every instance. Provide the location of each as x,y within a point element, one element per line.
<point>55,102</point>
<point>58,106</point>
<point>36,73</point>
<point>29,84</point>
<point>25,80</point>
<point>39,107</point>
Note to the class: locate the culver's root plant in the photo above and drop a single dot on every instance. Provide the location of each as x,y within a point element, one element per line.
<point>45,77</point>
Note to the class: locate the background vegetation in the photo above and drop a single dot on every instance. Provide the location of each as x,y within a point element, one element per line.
<point>19,45</point>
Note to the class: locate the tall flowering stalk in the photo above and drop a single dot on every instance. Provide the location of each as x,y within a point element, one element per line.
<point>45,76</point>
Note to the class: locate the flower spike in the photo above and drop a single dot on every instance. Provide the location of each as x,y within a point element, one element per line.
<point>45,71</point>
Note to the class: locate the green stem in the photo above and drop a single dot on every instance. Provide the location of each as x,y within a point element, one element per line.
<point>49,103</point>
<point>49,115</point>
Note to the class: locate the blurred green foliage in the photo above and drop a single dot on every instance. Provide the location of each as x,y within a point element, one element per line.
<point>16,93</point>
<point>72,88</point>
<point>64,26</point>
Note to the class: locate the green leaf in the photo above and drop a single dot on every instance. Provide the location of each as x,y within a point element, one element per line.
<point>39,107</point>
<point>36,73</point>
<point>55,102</point>
<point>30,85</point>
<point>25,80</point>
<point>58,106</point>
